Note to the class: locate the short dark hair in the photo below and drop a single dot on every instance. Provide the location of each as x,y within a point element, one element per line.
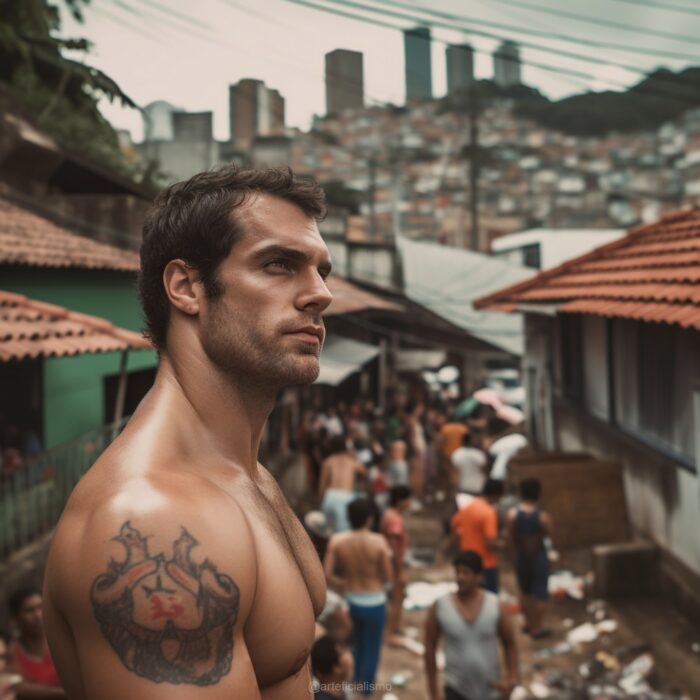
<point>530,489</point>
<point>16,599</point>
<point>324,655</point>
<point>359,513</point>
<point>335,445</point>
<point>493,487</point>
<point>194,220</point>
<point>399,493</point>
<point>470,559</point>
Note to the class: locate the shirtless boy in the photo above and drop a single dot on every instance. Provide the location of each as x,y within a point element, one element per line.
<point>178,570</point>
<point>337,483</point>
<point>358,563</point>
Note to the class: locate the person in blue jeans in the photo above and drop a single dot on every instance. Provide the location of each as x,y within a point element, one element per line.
<point>358,563</point>
<point>527,528</point>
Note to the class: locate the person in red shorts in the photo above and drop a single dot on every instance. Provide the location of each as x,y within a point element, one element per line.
<point>30,652</point>
<point>394,530</point>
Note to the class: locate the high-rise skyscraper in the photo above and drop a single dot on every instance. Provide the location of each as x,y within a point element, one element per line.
<point>254,110</point>
<point>506,64</point>
<point>419,72</point>
<point>459,60</point>
<point>344,81</point>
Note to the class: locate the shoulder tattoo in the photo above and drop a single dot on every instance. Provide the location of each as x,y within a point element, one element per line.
<point>168,620</point>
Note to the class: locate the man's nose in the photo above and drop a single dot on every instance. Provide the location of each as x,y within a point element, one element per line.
<point>315,293</point>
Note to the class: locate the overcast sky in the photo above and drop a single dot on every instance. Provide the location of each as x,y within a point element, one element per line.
<point>188,52</point>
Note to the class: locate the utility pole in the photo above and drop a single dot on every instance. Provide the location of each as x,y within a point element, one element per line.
<point>473,165</point>
<point>372,198</point>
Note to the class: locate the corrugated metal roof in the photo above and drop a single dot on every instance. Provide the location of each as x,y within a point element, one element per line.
<point>347,298</point>
<point>29,239</point>
<point>448,280</point>
<point>653,274</point>
<point>30,329</point>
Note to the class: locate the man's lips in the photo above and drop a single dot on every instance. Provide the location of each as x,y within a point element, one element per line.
<point>308,334</point>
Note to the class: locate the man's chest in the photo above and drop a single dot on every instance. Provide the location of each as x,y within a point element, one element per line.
<point>289,590</point>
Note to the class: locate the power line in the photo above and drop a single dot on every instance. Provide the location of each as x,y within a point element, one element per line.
<point>387,25</point>
<point>645,51</point>
<point>569,72</point>
<point>490,35</point>
<point>656,33</point>
<point>663,6</point>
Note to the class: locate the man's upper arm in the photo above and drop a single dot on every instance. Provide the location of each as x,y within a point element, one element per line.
<point>157,602</point>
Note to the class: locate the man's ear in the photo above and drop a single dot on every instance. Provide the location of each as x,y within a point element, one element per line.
<point>183,286</point>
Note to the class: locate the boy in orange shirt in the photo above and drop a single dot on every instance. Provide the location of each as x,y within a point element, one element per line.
<point>476,526</point>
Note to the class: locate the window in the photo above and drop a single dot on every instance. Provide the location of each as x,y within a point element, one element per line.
<point>657,353</point>
<point>571,355</point>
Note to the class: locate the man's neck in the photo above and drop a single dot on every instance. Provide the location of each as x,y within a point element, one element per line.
<point>469,596</point>
<point>222,414</point>
<point>35,646</point>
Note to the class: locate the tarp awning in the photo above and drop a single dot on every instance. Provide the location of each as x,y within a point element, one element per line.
<point>342,357</point>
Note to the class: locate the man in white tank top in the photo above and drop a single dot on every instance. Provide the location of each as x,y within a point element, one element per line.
<point>471,622</point>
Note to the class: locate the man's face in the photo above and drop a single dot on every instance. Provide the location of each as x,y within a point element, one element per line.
<point>467,579</point>
<point>267,327</point>
<point>30,619</point>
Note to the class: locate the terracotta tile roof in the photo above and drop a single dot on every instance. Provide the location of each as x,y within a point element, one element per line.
<point>30,329</point>
<point>652,274</point>
<point>347,298</point>
<point>29,239</point>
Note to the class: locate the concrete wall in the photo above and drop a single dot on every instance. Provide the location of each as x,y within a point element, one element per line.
<point>663,492</point>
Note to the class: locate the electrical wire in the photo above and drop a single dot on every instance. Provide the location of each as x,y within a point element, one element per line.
<point>587,42</point>
<point>656,33</point>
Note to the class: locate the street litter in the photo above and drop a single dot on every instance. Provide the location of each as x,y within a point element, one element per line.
<point>421,594</point>
<point>581,634</point>
<point>607,626</point>
<point>561,648</point>
<point>539,690</point>
<point>414,646</point>
<point>565,583</point>
<point>400,679</point>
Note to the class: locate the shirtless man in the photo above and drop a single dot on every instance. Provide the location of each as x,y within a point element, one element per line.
<point>178,570</point>
<point>337,483</point>
<point>358,563</point>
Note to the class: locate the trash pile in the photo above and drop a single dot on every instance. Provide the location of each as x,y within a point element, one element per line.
<point>606,671</point>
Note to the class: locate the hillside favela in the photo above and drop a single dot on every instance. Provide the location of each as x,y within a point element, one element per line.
<point>349,349</point>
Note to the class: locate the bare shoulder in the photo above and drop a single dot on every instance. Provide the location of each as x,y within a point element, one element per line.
<point>155,581</point>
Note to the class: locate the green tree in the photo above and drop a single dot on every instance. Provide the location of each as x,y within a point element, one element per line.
<point>59,94</point>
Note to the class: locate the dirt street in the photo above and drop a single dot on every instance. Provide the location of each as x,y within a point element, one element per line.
<point>643,626</point>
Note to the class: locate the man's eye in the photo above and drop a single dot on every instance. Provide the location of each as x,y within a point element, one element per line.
<point>279,264</point>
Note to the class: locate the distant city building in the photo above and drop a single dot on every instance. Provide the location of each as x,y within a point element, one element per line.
<point>191,148</point>
<point>459,60</point>
<point>254,110</point>
<point>419,81</point>
<point>506,64</point>
<point>344,81</point>
<point>158,121</point>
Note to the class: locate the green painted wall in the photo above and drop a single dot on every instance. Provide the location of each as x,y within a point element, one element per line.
<point>73,387</point>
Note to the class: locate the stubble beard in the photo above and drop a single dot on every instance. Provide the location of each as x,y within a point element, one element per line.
<point>246,354</point>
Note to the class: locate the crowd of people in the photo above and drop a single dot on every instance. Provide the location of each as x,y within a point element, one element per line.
<point>368,469</point>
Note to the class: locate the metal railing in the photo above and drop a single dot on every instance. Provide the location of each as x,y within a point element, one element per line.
<point>32,499</point>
